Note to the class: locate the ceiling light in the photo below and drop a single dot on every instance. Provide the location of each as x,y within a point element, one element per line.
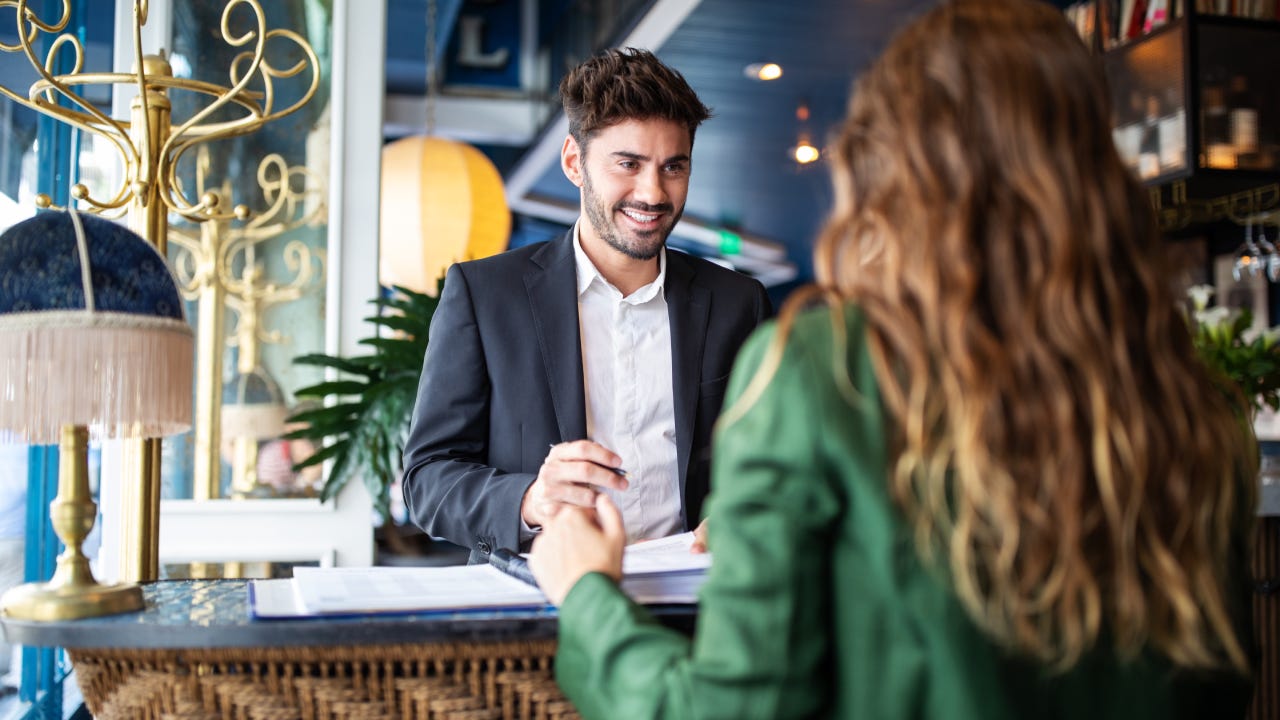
<point>804,152</point>
<point>763,71</point>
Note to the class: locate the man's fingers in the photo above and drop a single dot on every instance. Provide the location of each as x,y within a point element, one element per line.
<point>600,476</point>
<point>583,472</point>
<point>572,494</point>
<point>699,544</point>
<point>584,450</point>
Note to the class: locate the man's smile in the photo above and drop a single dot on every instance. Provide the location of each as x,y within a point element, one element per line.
<point>643,219</point>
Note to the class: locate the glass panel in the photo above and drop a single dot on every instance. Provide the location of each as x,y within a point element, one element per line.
<point>27,543</point>
<point>1149,101</point>
<point>1239,97</point>
<point>576,31</point>
<point>262,279</point>
<point>18,171</point>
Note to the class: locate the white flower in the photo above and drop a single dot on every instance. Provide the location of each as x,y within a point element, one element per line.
<point>1216,317</point>
<point>1200,295</point>
<point>1271,336</point>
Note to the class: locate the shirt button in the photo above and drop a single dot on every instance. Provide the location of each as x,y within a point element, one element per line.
<point>483,547</point>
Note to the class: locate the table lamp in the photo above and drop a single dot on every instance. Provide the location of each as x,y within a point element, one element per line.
<point>93,340</point>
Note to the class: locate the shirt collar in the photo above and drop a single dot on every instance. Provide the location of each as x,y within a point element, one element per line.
<point>587,272</point>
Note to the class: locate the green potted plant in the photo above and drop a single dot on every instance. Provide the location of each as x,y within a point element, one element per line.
<point>363,420</point>
<point>1248,359</point>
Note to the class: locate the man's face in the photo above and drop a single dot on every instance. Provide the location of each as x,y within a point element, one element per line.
<point>634,178</point>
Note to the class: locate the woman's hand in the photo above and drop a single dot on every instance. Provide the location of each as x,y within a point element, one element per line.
<point>575,542</point>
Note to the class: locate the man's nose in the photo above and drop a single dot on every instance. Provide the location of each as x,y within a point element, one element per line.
<point>649,189</point>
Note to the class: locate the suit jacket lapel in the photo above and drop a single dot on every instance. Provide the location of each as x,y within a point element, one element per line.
<point>688,310</point>
<point>552,286</point>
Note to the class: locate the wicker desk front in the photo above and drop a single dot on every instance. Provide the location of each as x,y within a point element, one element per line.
<point>195,654</point>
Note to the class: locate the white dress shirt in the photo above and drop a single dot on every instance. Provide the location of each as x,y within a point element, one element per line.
<point>626,359</point>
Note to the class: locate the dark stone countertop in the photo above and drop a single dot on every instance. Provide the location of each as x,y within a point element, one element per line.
<point>215,613</point>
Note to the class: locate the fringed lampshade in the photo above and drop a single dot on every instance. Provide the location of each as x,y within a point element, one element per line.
<point>91,332</point>
<point>442,202</point>
<point>92,339</point>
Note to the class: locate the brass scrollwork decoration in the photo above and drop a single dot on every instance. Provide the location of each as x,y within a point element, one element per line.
<point>150,154</point>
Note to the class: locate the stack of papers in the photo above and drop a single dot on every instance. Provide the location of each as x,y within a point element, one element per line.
<point>654,572</point>
<point>663,571</point>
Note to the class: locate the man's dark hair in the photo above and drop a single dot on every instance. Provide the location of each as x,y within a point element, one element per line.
<point>627,84</point>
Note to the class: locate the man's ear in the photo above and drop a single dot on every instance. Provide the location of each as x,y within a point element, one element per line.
<point>571,158</point>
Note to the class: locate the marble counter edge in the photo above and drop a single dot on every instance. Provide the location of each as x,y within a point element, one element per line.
<point>215,614</point>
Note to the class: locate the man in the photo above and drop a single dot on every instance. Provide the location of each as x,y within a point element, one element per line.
<point>552,367</point>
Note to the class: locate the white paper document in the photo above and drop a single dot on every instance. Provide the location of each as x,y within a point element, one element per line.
<point>654,572</point>
<point>664,589</point>
<point>382,589</point>
<point>665,555</point>
<point>274,599</point>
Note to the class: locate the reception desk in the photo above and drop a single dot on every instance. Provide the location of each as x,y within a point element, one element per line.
<point>194,653</point>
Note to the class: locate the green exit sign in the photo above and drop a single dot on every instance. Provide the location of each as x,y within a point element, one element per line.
<point>730,242</point>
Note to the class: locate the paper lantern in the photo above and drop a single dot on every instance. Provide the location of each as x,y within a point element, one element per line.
<point>442,202</point>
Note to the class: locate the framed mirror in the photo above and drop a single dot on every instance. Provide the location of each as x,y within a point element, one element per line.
<point>291,275</point>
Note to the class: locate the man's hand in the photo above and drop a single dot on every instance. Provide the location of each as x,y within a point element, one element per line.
<point>699,545</point>
<point>571,476</point>
<point>576,542</point>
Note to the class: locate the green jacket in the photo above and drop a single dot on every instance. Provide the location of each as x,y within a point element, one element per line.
<point>817,604</point>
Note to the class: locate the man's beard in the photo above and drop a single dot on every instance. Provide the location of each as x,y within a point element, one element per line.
<point>642,245</point>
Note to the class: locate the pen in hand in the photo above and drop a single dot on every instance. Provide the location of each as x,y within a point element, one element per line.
<point>615,470</point>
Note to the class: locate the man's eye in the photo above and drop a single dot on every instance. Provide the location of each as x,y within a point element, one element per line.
<point>629,164</point>
<point>675,168</point>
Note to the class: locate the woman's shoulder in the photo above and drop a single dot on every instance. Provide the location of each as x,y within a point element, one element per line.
<point>819,332</point>
<point>816,327</point>
<point>819,348</point>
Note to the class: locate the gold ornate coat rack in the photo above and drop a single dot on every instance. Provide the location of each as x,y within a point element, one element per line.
<point>150,143</point>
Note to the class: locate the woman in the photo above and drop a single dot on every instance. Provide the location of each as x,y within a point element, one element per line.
<point>987,478</point>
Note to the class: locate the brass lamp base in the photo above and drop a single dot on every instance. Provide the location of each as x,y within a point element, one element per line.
<point>46,602</point>
<point>72,593</point>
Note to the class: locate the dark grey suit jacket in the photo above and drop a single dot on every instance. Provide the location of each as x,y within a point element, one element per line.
<point>502,380</point>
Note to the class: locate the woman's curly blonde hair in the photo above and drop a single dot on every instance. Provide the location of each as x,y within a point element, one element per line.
<point>1056,441</point>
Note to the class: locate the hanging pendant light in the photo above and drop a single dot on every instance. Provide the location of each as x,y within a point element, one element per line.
<point>442,201</point>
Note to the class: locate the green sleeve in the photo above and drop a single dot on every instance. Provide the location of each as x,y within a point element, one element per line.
<point>761,649</point>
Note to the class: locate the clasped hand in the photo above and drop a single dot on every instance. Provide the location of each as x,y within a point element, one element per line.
<point>576,542</point>
<point>582,540</point>
<point>572,474</point>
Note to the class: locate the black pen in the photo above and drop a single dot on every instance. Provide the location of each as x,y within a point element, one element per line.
<point>512,564</point>
<point>616,471</point>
